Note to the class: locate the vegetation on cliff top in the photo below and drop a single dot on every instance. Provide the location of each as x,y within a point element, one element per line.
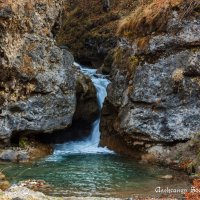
<point>153,15</point>
<point>88,30</point>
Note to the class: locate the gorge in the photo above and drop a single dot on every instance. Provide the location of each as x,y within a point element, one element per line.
<point>146,53</point>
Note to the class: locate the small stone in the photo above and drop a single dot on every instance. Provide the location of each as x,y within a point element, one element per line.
<point>167,177</point>
<point>2,176</point>
<point>4,185</point>
<point>8,155</point>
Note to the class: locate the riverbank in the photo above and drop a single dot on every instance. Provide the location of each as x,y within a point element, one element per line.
<point>21,193</point>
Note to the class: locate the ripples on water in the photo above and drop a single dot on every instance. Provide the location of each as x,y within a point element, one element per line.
<point>95,175</point>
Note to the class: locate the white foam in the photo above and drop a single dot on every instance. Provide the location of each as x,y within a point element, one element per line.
<point>91,144</point>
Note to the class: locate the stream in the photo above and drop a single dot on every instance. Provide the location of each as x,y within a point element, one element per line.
<point>91,144</point>
<point>82,168</point>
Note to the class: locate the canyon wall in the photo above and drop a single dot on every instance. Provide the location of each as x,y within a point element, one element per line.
<point>37,79</point>
<point>154,95</point>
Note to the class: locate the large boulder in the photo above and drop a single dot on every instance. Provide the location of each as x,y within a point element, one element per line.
<point>154,94</point>
<point>87,109</point>
<point>36,77</point>
<point>40,88</point>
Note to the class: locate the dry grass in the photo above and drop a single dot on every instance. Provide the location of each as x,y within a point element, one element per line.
<point>127,62</point>
<point>152,16</point>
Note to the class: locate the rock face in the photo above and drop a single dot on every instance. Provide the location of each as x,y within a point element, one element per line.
<point>86,113</point>
<point>154,94</point>
<point>37,79</point>
<point>87,106</point>
<point>37,82</point>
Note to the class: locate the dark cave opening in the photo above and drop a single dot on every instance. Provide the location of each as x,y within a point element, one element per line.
<point>77,131</point>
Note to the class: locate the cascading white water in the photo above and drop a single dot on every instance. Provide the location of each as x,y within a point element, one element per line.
<point>90,144</point>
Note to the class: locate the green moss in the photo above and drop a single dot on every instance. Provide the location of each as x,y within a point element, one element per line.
<point>134,60</point>
<point>118,54</point>
<point>133,63</point>
<point>196,49</point>
<point>23,142</point>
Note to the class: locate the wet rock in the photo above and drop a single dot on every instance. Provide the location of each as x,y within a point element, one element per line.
<point>87,109</point>
<point>14,156</point>
<point>37,150</point>
<point>8,155</point>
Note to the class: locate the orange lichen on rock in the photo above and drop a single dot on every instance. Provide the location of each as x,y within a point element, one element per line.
<point>185,164</point>
<point>194,194</point>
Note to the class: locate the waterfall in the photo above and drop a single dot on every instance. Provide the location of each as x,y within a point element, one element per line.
<point>90,144</point>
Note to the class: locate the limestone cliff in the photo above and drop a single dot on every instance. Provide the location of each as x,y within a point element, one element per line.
<point>154,94</point>
<point>37,79</point>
